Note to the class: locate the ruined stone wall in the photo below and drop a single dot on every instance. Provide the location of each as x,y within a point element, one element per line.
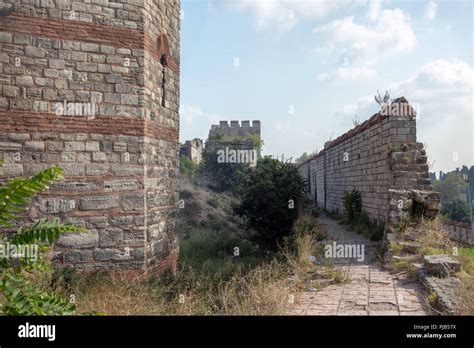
<point>113,60</point>
<point>236,136</point>
<point>192,149</point>
<point>459,231</point>
<point>381,159</point>
<point>235,130</point>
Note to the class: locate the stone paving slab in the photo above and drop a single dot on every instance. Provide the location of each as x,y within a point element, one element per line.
<point>369,290</point>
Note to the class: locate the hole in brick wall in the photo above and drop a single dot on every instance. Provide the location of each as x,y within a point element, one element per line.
<point>418,210</point>
<point>163,81</point>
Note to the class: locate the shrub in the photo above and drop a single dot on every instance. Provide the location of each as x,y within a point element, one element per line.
<point>269,199</point>
<point>352,202</point>
<point>456,210</point>
<point>223,176</point>
<point>213,202</point>
<point>20,277</point>
<point>358,219</point>
<point>187,167</point>
<point>371,229</point>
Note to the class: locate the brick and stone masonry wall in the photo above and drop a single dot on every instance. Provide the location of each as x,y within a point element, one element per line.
<point>235,129</point>
<point>240,135</point>
<point>381,159</point>
<point>120,60</point>
<point>192,149</point>
<point>458,231</point>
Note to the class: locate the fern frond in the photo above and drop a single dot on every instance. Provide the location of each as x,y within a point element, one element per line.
<point>43,230</point>
<point>17,194</point>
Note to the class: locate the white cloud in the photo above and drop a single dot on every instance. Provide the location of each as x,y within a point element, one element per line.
<point>282,15</point>
<point>430,11</point>
<point>196,122</point>
<point>359,47</point>
<point>375,7</point>
<point>359,108</point>
<point>349,74</point>
<point>442,93</point>
<point>364,44</point>
<point>191,113</point>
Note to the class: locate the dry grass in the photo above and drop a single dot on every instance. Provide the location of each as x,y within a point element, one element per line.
<point>466,290</point>
<point>262,291</point>
<point>434,240</point>
<point>432,236</point>
<point>115,294</point>
<point>307,234</point>
<point>207,286</point>
<point>466,294</point>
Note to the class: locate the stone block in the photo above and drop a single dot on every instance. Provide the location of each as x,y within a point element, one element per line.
<point>8,146</point>
<point>120,185</point>
<point>5,37</point>
<point>26,81</point>
<point>56,205</point>
<point>89,47</point>
<point>74,146</point>
<point>79,240</point>
<point>34,146</point>
<point>110,237</point>
<point>99,202</point>
<point>56,63</point>
<point>11,170</point>
<point>441,265</point>
<point>75,186</point>
<point>92,146</point>
<point>95,169</point>
<point>99,157</point>
<point>73,169</point>
<point>111,255</point>
<point>133,202</point>
<point>80,256</point>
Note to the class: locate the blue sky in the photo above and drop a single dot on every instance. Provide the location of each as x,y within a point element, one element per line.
<point>325,60</point>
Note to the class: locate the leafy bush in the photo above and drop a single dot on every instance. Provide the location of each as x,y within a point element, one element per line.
<point>352,202</point>
<point>187,167</point>
<point>358,219</point>
<point>269,199</point>
<point>20,294</point>
<point>224,176</point>
<point>456,210</point>
<point>371,229</point>
<point>450,186</point>
<point>213,202</point>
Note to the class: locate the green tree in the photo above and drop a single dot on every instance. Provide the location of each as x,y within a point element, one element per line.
<point>450,186</point>
<point>19,293</point>
<point>302,158</point>
<point>224,176</point>
<point>187,167</point>
<point>257,141</point>
<point>456,210</point>
<point>270,195</point>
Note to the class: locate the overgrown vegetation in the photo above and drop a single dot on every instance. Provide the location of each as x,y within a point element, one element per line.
<point>466,290</point>
<point>187,167</point>
<point>359,220</point>
<point>25,286</point>
<point>456,210</point>
<point>221,272</point>
<point>270,197</point>
<point>221,176</point>
<point>432,238</point>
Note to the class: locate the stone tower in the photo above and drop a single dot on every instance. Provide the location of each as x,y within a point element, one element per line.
<point>93,86</point>
<point>242,135</point>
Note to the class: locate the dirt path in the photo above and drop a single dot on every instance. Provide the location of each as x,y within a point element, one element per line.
<point>369,289</point>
